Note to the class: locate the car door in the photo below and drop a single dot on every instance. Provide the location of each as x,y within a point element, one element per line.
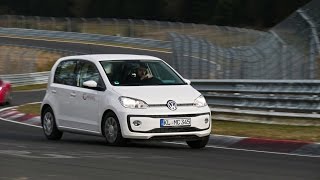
<point>61,89</point>
<point>86,101</point>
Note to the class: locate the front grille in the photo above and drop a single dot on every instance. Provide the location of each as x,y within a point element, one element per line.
<point>170,130</point>
<point>164,105</point>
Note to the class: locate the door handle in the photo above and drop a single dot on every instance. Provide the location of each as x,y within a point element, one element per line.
<point>54,91</point>
<point>73,94</point>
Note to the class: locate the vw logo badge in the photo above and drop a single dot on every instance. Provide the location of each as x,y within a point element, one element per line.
<point>172,105</point>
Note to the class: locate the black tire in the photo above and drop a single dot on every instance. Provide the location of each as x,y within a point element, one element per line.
<point>198,144</point>
<point>112,134</point>
<point>50,129</point>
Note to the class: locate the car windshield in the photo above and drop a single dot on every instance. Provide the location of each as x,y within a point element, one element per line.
<point>140,73</point>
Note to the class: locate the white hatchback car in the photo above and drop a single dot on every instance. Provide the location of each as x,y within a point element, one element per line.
<point>123,97</point>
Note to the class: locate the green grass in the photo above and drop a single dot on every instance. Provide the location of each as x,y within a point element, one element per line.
<point>29,87</point>
<point>30,109</point>
<point>284,132</point>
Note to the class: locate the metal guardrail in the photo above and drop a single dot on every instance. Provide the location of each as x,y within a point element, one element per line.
<point>26,79</point>
<point>296,96</point>
<point>74,36</point>
<point>288,96</point>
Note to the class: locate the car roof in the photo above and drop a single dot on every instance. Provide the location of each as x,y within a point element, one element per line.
<point>108,57</point>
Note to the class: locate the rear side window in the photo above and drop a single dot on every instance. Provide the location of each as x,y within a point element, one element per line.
<point>65,73</point>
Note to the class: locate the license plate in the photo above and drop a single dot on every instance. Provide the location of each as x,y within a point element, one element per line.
<point>175,122</point>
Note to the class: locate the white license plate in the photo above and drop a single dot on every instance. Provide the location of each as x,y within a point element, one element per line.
<point>175,122</point>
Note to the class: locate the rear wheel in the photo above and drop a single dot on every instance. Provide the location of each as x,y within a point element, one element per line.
<point>112,130</point>
<point>197,144</point>
<point>49,125</point>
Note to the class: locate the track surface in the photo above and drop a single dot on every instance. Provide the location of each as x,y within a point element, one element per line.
<point>26,154</point>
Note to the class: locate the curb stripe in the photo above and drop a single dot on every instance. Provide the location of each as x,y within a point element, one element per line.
<point>26,117</point>
<point>12,113</point>
<point>17,116</point>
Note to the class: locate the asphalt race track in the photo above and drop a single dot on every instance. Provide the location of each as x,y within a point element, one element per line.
<point>26,154</point>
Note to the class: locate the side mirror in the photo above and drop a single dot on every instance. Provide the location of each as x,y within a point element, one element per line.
<point>187,81</point>
<point>90,84</point>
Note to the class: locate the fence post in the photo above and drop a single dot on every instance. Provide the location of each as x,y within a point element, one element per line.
<point>146,26</point>
<point>68,24</point>
<point>131,28</point>
<point>53,25</point>
<point>182,26</point>
<point>200,62</point>
<point>190,58</point>
<point>8,21</point>
<point>38,22</point>
<point>116,22</point>
<point>84,25</point>
<point>314,43</point>
<point>208,45</point>
<point>23,22</point>
<point>158,25</point>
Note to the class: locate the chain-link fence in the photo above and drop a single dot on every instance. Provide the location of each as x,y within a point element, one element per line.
<point>16,59</point>
<point>228,36</point>
<point>290,50</point>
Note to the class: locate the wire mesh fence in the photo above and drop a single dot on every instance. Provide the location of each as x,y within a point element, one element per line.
<point>228,36</point>
<point>290,50</point>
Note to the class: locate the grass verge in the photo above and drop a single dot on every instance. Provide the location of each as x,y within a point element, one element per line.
<point>29,87</point>
<point>268,131</point>
<point>30,109</point>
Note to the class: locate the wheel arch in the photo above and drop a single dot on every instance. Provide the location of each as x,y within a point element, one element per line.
<point>102,119</point>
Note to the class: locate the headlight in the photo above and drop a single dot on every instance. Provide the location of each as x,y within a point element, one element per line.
<point>132,103</point>
<point>200,102</point>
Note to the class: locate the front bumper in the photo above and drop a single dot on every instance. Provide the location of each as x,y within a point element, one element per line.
<point>150,124</point>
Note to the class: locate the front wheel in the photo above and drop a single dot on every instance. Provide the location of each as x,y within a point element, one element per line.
<point>197,144</point>
<point>112,130</point>
<point>49,125</point>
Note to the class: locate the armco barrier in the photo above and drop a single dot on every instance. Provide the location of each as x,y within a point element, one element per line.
<point>26,79</point>
<point>294,96</point>
<point>269,95</point>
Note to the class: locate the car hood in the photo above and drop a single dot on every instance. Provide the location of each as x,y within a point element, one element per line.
<point>159,94</point>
